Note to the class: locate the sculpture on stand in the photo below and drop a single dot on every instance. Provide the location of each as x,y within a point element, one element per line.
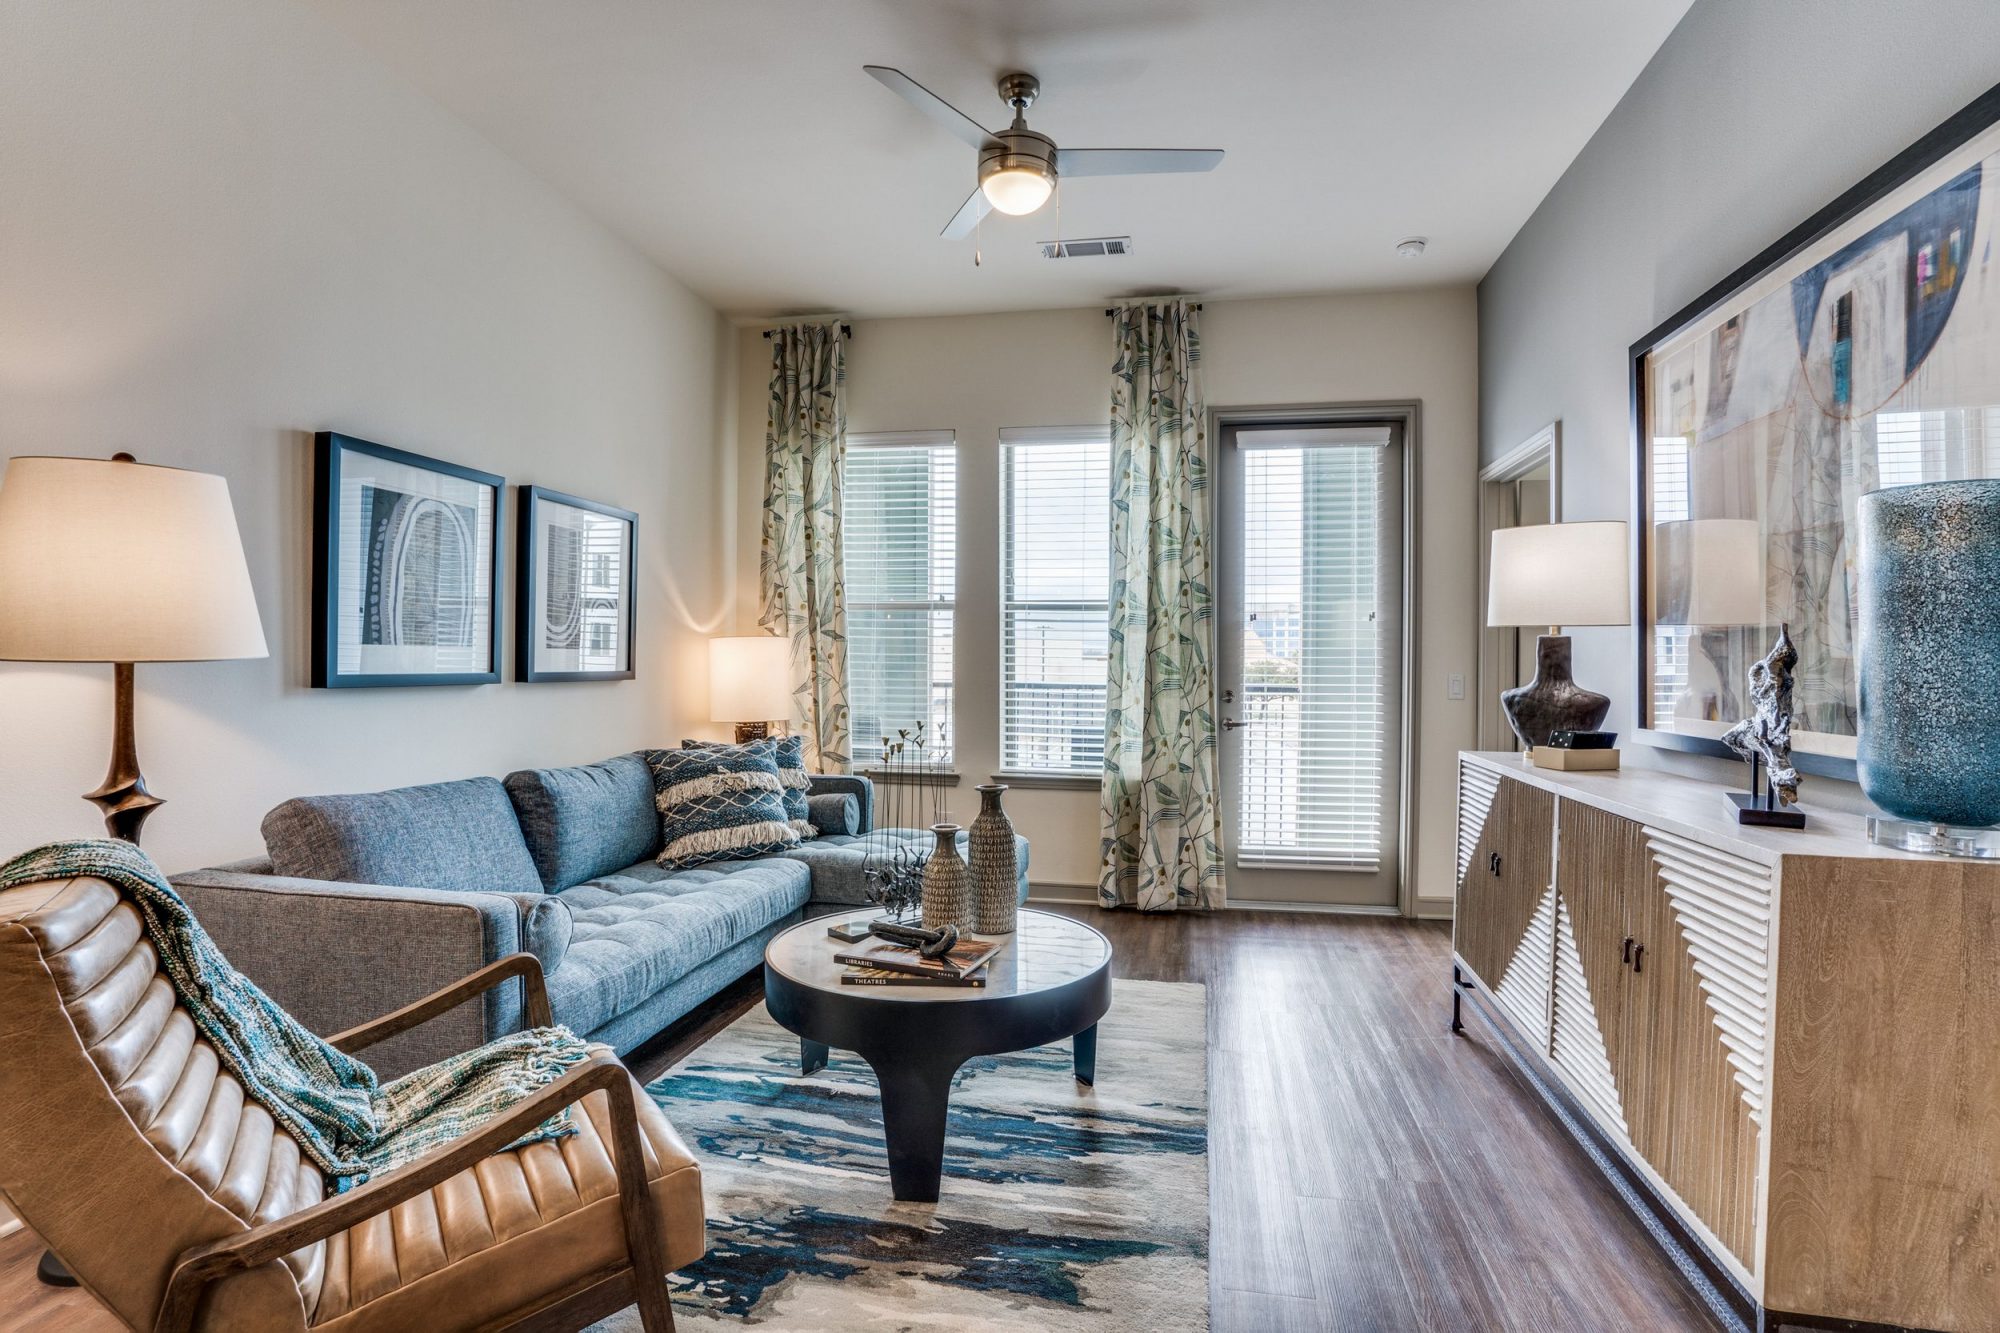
<point>1765,739</point>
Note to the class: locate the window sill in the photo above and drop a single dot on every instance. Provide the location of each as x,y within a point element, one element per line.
<point>1052,781</point>
<point>882,777</point>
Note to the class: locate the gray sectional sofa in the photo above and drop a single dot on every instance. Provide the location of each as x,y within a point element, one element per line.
<point>368,902</point>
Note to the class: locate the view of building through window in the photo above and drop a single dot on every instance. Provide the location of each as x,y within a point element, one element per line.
<point>900,535</point>
<point>1055,572</point>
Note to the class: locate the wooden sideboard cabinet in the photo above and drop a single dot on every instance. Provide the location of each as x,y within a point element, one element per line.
<point>1783,1046</point>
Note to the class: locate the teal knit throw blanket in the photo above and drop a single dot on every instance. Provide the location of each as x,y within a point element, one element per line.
<point>345,1119</point>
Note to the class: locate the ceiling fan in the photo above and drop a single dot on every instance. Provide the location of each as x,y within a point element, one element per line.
<point>1017,166</point>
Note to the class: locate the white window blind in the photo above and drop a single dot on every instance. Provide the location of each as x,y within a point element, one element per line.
<point>1671,504</point>
<point>1312,768</point>
<point>899,533</point>
<point>1055,576</point>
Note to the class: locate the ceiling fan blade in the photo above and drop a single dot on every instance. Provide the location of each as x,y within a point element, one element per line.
<point>928,102</point>
<point>968,215</point>
<point>1134,161</point>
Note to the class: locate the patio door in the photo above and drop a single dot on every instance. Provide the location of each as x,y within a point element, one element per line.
<point>1310,635</point>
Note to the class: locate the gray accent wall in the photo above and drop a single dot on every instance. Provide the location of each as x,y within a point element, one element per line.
<point>1753,115</point>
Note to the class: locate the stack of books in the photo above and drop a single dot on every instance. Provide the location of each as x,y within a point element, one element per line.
<point>880,963</point>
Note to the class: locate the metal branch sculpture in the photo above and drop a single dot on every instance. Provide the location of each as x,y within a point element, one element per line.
<point>1766,735</point>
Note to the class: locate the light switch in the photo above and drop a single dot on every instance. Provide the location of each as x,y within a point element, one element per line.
<point>1454,685</point>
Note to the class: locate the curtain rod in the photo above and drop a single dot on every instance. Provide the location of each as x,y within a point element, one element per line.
<point>1112,310</point>
<point>846,331</point>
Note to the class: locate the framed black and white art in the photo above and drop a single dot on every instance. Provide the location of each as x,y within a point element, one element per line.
<point>574,616</point>
<point>406,564</point>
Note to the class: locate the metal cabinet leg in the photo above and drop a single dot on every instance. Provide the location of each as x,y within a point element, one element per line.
<point>1457,999</point>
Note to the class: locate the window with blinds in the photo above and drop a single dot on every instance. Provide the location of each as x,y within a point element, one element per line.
<point>1055,576</point>
<point>1311,760</point>
<point>1671,643</point>
<point>899,533</point>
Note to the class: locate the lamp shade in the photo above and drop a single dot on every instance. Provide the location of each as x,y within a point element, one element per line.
<point>1708,571</point>
<point>115,561</point>
<point>749,679</point>
<point>1560,574</point>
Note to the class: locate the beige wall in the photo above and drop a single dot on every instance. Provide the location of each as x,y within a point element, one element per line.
<point>976,374</point>
<point>223,228</point>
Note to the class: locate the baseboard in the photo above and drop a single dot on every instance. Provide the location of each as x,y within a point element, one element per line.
<point>1434,909</point>
<point>1064,895</point>
<point>9,1227</point>
<point>1317,909</point>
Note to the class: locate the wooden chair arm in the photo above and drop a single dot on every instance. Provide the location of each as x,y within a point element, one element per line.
<point>534,1009</point>
<point>203,1264</point>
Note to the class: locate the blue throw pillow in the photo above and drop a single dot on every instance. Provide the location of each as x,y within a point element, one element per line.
<point>719,805</point>
<point>791,760</point>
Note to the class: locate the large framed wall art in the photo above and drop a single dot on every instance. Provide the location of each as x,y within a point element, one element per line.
<point>1862,351</point>
<point>574,606</point>
<point>406,567</point>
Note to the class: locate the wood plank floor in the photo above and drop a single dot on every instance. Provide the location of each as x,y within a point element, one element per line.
<point>1369,1171</point>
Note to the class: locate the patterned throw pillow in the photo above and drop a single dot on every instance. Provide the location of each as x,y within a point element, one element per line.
<point>719,805</point>
<point>791,760</point>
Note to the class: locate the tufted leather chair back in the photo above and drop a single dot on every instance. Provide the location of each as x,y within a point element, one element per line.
<point>122,1140</point>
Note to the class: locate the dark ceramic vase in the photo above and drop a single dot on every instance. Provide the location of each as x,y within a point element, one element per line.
<point>1929,749</point>
<point>1552,702</point>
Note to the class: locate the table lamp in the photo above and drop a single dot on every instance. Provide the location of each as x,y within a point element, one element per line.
<point>1557,574</point>
<point>749,683</point>
<point>111,560</point>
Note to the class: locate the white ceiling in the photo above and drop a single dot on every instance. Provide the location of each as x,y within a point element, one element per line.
<point>739,144</point>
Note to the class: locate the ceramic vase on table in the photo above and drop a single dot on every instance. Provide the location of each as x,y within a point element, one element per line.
<point>995,872</point>
<point>1929,748</point>
<point>947,883</point>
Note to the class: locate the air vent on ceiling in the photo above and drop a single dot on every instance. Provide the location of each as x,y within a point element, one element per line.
<point>1087,247</point>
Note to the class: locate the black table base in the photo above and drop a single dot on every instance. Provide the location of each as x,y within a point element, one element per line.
<point>915,1048</point>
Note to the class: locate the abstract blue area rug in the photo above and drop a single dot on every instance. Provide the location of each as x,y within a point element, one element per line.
<point>1063,1207</point>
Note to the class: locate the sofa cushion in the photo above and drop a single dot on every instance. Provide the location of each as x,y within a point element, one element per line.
<point>834,812</point>
<point>790,756</point>
<point>586,820</point>
<point>719,805</point>
<point>449,835</point>
<point>840,863</point>
<point>638,931</point>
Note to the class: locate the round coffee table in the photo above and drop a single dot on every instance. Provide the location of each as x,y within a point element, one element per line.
<point>1051,980</point>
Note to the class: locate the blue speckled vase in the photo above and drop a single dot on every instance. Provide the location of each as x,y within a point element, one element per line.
<point>1929,748</point>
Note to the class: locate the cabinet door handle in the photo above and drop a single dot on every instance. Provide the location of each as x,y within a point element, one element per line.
<point>1625,954</point>
<point>1638,959</point>
<point>1493,863</point>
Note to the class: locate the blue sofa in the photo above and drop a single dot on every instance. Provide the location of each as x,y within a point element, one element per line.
<point>368,902</point>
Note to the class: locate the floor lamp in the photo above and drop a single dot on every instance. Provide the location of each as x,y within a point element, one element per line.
<point>109,560</point>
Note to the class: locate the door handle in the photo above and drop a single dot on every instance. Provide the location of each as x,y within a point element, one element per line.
<point>1638,957</point>
<point>1232,724</point>
<point>1493,863</point>
<point>1625,954</point>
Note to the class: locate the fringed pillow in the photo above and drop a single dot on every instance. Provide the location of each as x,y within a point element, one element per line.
<point>791,761</point>
<point>719,805</point>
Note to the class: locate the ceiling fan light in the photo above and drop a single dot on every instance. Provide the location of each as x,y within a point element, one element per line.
<point>1017,190</point>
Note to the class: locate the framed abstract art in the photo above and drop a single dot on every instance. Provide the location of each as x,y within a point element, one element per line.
<point>1859,352</point>
<point>574,616</point>
<point>406,567</point>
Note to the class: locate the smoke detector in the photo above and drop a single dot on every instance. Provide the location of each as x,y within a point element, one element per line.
<point>1411,246</point>
<point>1087,247</point>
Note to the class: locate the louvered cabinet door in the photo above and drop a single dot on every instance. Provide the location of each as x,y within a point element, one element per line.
<point>1703,986</point>
<point>1593,1038</point>
<point>1503,926</point>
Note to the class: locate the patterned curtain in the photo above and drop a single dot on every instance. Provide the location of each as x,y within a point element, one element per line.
<point>799,569</point>
<point>1162,844</point>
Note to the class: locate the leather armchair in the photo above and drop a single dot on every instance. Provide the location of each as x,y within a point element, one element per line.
<point>181,1205</point>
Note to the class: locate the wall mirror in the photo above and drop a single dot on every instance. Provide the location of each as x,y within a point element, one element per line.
<point>1860,352</point>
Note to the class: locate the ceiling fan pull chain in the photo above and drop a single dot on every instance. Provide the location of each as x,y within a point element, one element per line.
<point>978,241</point>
